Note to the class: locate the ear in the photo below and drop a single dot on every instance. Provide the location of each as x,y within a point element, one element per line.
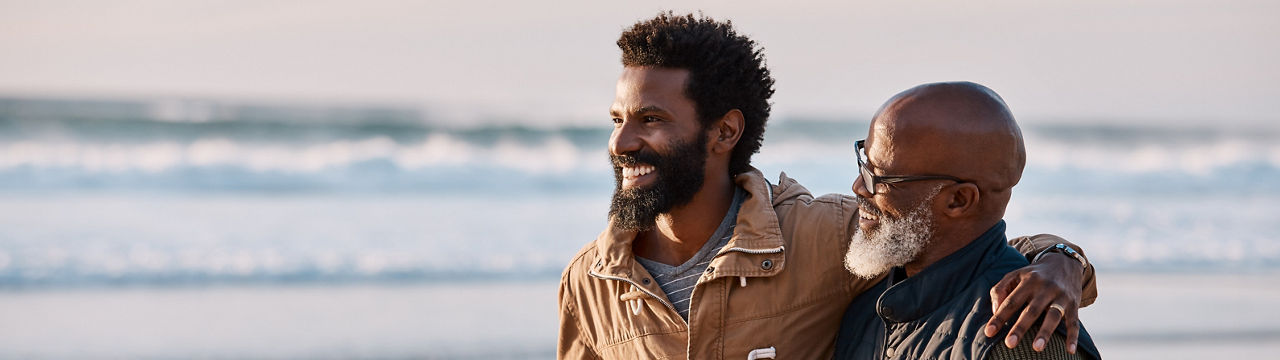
<point>959,200</point>
<point>726,131</point>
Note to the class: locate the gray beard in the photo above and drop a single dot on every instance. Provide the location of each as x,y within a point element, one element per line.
<point>896,242</point>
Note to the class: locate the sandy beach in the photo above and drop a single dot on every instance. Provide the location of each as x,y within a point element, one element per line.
<point>1139,316</point>
<point>445,321</point>
<point>1164,316</point>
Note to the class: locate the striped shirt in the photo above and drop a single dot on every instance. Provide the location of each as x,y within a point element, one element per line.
<point>678,281</point>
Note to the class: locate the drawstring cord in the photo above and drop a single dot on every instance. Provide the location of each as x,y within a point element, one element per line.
<point>742,281</point>
<point>634,300</point>
<point>765,353</point>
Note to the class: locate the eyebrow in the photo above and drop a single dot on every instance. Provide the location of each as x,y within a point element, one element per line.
<point>642,110</point>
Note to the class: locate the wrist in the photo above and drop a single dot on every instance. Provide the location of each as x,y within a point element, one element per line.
<point>1064,250</point>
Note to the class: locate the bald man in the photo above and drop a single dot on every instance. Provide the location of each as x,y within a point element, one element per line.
<point>937,170</point>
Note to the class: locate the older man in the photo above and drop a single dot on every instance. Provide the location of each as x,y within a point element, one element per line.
<point>937,170</point>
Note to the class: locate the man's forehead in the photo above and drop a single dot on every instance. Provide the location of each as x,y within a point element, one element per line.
<point>882,133</point>
<point>892,144</point>
<point>649,89</point>
<point>638,78</point>
<point>898,127</point>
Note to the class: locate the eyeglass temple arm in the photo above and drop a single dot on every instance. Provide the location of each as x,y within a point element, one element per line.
<point>898,179</point>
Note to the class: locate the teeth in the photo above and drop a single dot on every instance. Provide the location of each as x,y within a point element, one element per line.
<point>637,171</point>
<point>865,215</point>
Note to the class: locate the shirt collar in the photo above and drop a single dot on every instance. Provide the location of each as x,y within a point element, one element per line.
<point>908,299</point>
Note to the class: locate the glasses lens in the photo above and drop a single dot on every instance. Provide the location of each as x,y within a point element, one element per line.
<point>867,180</point>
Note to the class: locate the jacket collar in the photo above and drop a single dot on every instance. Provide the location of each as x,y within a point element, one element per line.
<point>758,226</point>
<point>757,233</point>
<point>911,298</point>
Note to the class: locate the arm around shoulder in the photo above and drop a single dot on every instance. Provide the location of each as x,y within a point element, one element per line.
<point>1033,245</point>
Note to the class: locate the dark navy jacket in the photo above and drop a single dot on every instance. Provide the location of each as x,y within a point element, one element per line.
<point>938,313</point>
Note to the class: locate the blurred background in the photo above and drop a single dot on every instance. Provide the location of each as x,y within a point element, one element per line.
<point>406,179</point>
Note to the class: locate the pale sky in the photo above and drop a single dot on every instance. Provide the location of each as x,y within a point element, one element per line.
<point>556,62</point>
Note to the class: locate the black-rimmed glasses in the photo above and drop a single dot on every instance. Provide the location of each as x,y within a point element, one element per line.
<point>870,180</point>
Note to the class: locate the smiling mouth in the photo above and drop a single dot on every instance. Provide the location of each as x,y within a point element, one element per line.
<point>867,215</point>
<point>867,220</point>
<point>632,173</point>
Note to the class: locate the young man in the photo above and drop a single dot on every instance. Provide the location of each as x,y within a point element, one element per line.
<point>937,170</point>
<point>704,258</point>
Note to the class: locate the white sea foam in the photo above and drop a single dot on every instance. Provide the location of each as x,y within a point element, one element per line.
<point>437,150</point>
<point>1197,159</point>
<point>556,154</point>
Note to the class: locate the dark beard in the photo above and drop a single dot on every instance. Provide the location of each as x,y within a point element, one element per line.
<point>680,175</point>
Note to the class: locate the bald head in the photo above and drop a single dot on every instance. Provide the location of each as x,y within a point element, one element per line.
<point>960,129</point>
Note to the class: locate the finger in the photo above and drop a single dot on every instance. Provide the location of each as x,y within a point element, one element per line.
<point>1001,290</point>
<point>1017,297</point>
<point>1070,320</point>
<point>1051,318</point>
<point>1025,320</point>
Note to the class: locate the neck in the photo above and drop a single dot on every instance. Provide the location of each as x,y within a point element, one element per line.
<point>947,240</point>
<point>679,234</point>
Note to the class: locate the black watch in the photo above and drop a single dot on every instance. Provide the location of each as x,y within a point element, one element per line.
<point>1065,250</point>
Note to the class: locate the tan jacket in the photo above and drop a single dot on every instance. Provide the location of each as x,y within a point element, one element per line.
<point>779,287</point>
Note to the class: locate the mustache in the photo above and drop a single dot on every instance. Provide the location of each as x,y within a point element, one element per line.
<point>635,158</point>
<point>865,205</point>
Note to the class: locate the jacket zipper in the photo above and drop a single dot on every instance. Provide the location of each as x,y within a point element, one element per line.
<point>755,251</point>
<point>642,289</point>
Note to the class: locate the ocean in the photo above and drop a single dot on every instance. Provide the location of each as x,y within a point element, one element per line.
<point>185,228</point>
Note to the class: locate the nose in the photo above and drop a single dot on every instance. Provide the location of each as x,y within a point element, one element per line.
<point>624,140</point>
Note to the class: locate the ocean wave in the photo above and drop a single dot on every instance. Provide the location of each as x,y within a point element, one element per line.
<point>554,155</point>
<point>386,157</point>
<point>148,266</point>
<point>1134,245</point>
<point>557,154</point>
<point>1200,158</point>
<point>1047,153</point>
